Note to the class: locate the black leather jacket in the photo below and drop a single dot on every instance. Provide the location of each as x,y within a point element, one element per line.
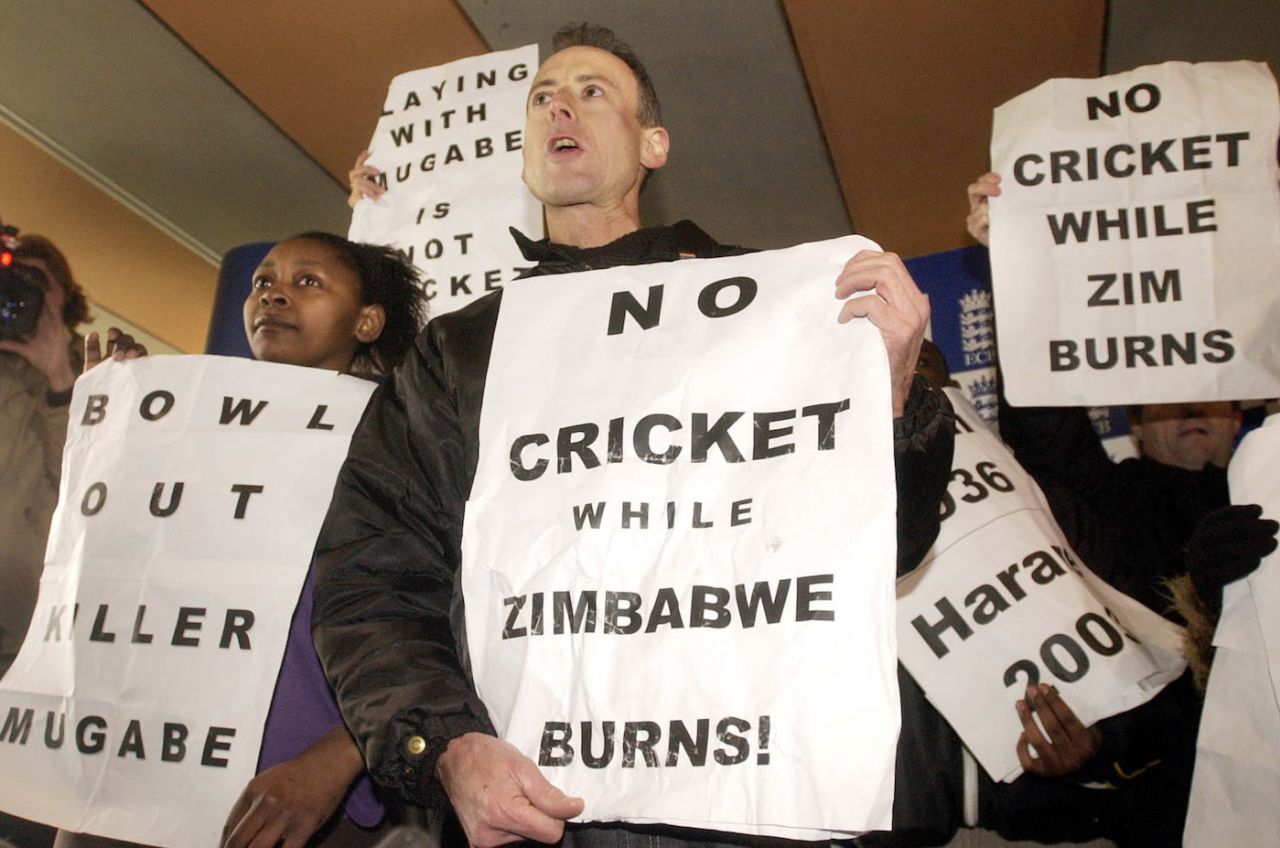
<point>388,620</point>
<point>1130,521</point>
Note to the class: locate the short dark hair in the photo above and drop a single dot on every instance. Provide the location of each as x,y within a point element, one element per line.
<point>75,309</point>
<point>648,110</point>
<point>388,280</point>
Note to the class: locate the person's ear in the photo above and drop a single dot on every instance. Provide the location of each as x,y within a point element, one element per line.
<point>369,326</point>
<point>655,147</point>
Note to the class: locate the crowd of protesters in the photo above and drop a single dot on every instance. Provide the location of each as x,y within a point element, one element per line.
<point>1159,527</point>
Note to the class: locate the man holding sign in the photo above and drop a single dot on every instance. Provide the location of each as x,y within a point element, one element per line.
<point>1176,314</point>
<point>389,623</point>
<point>1134,521</point>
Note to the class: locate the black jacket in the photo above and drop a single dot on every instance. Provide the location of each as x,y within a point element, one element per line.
<point>1129,520</point>
<point>388,620</point>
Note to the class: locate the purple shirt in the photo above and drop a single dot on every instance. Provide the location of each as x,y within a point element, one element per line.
<point>304,709</point>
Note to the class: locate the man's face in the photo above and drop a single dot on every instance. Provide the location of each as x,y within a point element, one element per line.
<point>582,141</point>
<point>1187,435</point>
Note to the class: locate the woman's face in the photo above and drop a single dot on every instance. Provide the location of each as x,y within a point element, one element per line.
<point>304,308</point>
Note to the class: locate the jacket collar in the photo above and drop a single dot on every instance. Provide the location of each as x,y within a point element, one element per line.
<point>650,244</point>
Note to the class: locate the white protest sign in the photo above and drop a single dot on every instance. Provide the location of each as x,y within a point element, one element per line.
<point>192,492</point>
<point>1001,602</point>
<point>1253,480</point>
<point>1237,771</point>
<point>449,147</point>
<point>678,555</point>
<point>1135,246</point>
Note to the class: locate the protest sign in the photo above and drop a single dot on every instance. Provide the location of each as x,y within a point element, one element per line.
<point>678,554</point>
<point>449,147</point>
<point>192,492</point>
<point>1252,477</point>
<point>1135,242</point>
<point>1001,601</point>
<point>1237,772</point>
<point>962,325</point>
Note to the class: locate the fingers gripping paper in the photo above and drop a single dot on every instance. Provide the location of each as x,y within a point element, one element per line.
<point>1237,772</point>
<point>449,147</point>
<point>1136,240</point>
<point>192,491</point>
<point>1001,602</point>
<point>678,555</point>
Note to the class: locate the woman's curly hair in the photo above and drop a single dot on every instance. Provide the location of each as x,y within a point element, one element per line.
<point>388,280</point>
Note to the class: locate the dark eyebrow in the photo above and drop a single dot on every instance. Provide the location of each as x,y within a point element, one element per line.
<point>270,264</point>
<point>546,81</point>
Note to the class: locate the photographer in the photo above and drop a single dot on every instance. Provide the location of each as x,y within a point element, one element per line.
<point>39,360</point>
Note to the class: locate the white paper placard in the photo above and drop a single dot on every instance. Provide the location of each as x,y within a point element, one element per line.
<point>1237,772</point>
<point>678,556</point>
<point>1254,480</point>
<point>193,488</point>
<point>449,146</point>
<point>1135,245</point>
<point>1001,601</point>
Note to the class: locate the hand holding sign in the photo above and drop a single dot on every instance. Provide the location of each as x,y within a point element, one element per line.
<point>1065,746</point>
<point>899,311</point>
<point>981,191</point>
<point>1228,544</point>
<point>289,802</point>
<point>120,346</point>
<point>363,179</point>
<point>499,794</point>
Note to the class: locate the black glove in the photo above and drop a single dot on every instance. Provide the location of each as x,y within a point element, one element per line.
<point>1226,545</point>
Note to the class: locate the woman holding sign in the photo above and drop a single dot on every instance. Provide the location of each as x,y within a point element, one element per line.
<point>319,301</point>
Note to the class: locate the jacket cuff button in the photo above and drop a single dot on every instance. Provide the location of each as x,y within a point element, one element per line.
<point>416,745</point>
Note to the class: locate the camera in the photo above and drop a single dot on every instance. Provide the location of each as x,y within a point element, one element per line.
<point>21,291</point>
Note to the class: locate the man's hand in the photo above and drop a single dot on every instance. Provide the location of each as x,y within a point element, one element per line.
<point>979,221</point>
<point>289,802</point>
<point>897,308</point>
<point>363,181</point>
<point>499,794</point>
<point>120,346</point>
<point>1069,746</point>
<point>1228,544</point>
<point>49,350</point>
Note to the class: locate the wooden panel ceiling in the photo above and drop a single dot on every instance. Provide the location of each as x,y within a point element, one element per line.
<point>123,263</point>
<point>320,68</point>
<point>234,121</point>
<point>904,92</point>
